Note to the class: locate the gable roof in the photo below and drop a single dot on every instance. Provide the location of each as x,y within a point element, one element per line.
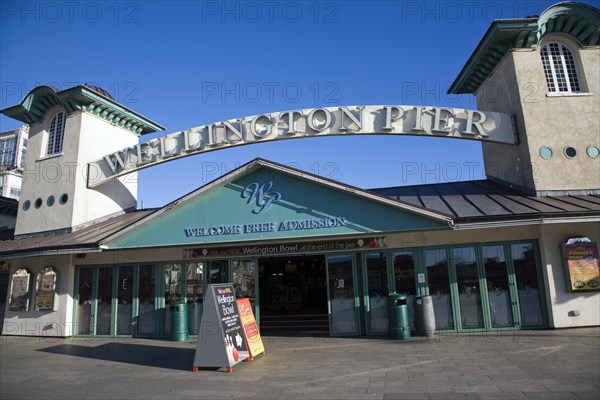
<point>259,163</point>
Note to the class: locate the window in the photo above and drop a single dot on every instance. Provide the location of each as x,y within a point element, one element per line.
<point>559,68</point>
<point>23,154</point>
<point>8,147</point>
<point>55,134</point>
<point>15,192</point>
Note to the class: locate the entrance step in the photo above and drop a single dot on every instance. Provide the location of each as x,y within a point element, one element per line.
<point>294,323</point>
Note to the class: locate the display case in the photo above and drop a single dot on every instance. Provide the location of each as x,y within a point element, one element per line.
<point>45,291</point>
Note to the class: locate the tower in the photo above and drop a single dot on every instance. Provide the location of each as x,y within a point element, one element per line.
<point>545,71</point>
<point>67,130</point>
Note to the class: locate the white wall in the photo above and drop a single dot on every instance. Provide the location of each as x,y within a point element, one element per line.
<point>99,138</point>
<point>86,138</point>
<point>43,323</point>
<point>561,302</point>
<point>518,86</point>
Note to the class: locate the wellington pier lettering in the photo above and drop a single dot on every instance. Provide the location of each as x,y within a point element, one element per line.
<point>351,120</point>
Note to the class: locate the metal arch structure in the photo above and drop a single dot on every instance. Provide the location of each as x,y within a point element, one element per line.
<point>455,123</point>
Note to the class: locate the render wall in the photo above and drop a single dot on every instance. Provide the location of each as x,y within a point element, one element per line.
<point>518,86</point>
<point>563,305</point>
<point>561,121</point>
<point>99,138</point>
<point>86,138</point>
<point>43,323</point>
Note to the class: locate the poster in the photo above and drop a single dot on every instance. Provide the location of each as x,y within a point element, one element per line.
<point>255,344</point>
<point>230,322</point>
<point>581,261</point>
<point>221,340</point>
<point>45,289</point>
<point>19,290</point>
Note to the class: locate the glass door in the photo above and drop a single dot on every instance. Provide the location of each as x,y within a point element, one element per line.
<point>341,292</point>
<point>125,300</point>
<point>404,274</point>
<point>194,284</point>
<point>498,287</point>
<point>244,279</point>
<point>376,285</point>
<point>218,272</point>
<point>172,279</point>
<point>105,301</point>
<point>528,284</point>
<point>467,284</point>
<point>85,301</point>
<point>438,277</point>
<point>146,301</point>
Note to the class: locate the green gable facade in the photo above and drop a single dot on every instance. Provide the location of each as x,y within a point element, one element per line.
<point>268,204</point>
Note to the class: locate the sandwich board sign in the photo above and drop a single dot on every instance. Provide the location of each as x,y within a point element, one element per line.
<point>253,340</point>
<point>221,340</point>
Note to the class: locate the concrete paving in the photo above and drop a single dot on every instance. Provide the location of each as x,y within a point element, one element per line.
<point>562,364</point>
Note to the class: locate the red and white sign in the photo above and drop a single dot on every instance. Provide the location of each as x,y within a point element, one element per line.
<point>253,339</point>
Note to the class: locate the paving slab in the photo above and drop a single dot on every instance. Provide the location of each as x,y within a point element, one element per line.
<point>553,364</point>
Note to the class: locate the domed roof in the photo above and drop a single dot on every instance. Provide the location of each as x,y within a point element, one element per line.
<point>99,90</point>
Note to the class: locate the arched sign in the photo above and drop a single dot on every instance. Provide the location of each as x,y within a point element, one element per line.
<point>350,120</point>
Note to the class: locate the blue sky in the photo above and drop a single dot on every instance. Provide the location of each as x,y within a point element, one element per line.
<point>190,63</point>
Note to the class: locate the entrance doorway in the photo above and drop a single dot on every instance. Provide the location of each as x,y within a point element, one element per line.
<point>293,294</point>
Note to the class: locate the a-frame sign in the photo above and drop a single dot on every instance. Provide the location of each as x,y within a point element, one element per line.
<point>221,341</point>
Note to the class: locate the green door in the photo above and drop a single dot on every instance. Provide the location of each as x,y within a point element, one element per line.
<point>194,289</point>
<point>496,286</point>
<point>468,288</point>
<point>528,285</point>
<point>375,280</point>
<point>341,289</point>
<point>85,301</point>
<point>172,277</point>
<point>501,301</point>
<point>104,300</point>
<point>439,284</point>
<point>146,314</point>
<point>405,280</point>
<point>124,304</point>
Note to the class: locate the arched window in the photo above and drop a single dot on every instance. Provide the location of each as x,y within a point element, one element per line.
<point>55,134</point>
<point>559,68</point>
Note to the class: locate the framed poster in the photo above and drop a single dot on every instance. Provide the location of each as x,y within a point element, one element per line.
<point>45,290</point>
<point>20,290</point>
<point>581,265</point>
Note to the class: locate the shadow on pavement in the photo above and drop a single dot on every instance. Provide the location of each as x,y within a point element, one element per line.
<point>152,356</point>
